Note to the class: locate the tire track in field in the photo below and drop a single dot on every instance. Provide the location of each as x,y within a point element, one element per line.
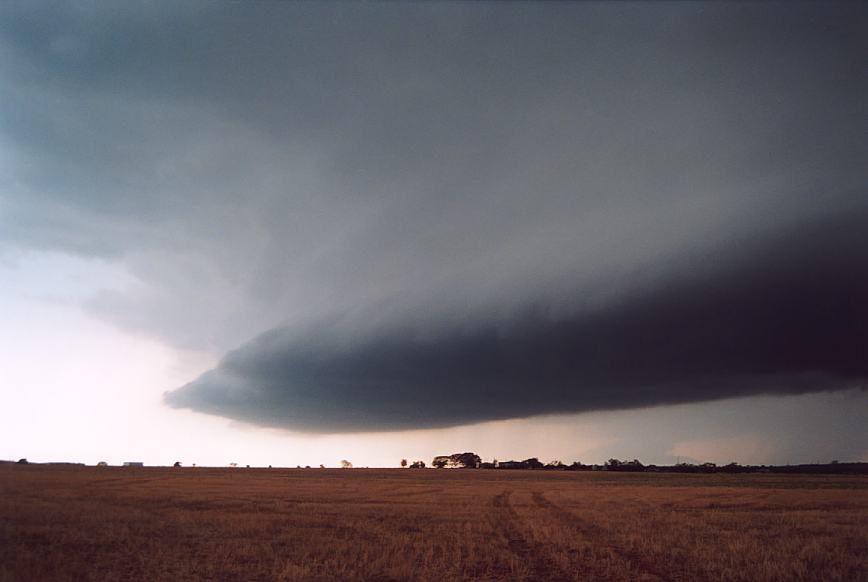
<point>598,537</point>
<point>505,521</point>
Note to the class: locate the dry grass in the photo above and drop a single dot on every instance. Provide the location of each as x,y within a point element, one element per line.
<point>271,524</point>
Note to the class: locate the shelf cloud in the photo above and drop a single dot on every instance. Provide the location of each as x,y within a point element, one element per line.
<point>784,316</point>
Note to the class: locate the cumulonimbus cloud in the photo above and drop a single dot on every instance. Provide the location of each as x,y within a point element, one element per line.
<point>786,315</point>
<point>448,213</point>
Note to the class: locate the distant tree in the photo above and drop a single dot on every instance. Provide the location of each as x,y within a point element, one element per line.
<point>403,462</point>
<point>457,461</point>
<point>322,466</point>
<point>466,460</point>
<point>22,461</point>
<point>616,465</point>
<point>346,464</point>
<point>177,464</point>
<point>533,463</point>
<point>417,465</point>
<point>233,465</point>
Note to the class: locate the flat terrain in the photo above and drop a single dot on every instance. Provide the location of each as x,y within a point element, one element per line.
<point>68,523</point>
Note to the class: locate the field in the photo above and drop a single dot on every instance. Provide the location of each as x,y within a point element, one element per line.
<point>76,523</point>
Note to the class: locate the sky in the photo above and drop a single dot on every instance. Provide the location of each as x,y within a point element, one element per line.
<point>293,233</point>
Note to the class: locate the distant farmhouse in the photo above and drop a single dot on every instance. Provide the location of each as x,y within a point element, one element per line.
<point>133,464</point>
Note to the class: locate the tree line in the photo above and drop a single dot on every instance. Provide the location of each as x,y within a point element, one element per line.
<point>470,460</point>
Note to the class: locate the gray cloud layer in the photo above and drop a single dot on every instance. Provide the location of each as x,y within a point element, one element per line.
<point>418,183</point>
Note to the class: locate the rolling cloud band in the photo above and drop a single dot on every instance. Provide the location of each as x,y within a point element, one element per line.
<point>787,315</point>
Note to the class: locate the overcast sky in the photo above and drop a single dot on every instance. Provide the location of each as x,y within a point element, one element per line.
<point>290,233</point>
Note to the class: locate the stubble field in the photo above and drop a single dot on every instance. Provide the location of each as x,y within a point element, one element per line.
<point>276,524</point>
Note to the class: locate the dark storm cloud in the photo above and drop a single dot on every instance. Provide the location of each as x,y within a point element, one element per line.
<point>788,315</point>
<point>368,177</point>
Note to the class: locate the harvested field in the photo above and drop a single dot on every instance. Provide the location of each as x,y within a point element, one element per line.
<point>68,523</point>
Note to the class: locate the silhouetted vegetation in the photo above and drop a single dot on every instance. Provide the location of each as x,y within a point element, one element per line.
<point>472,460</point>
<point>633,466</point>
<point>457,461</point>
<point>468,460</point>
